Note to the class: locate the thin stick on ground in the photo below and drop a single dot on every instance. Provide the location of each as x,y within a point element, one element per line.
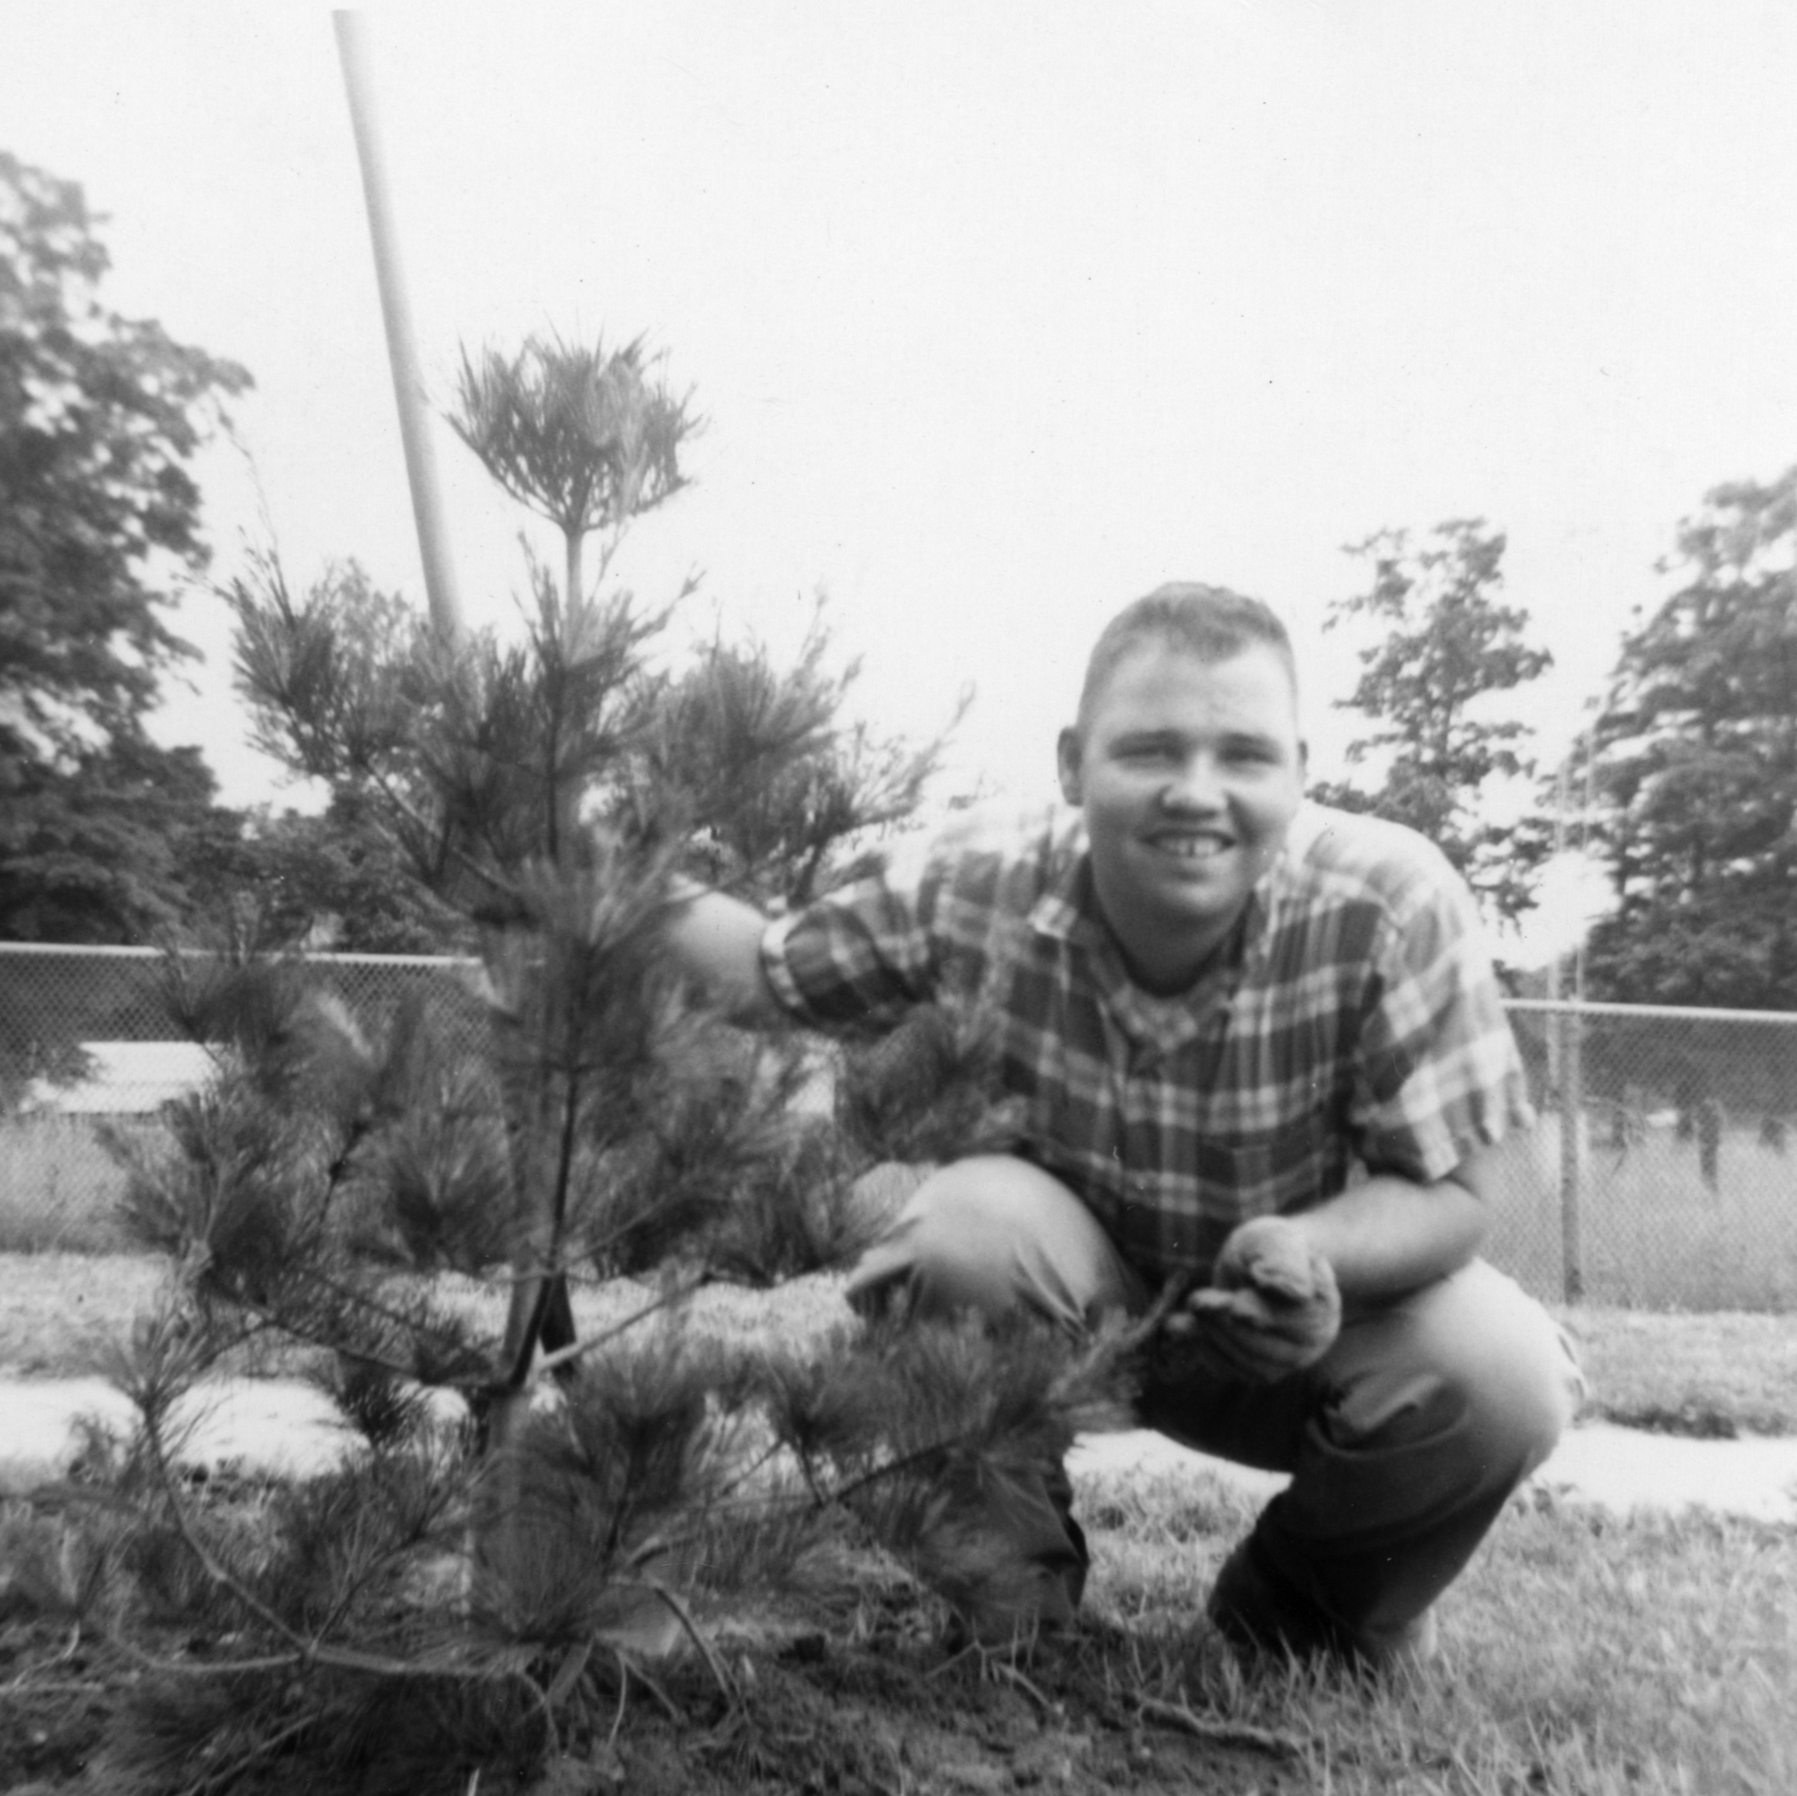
<point>1224,1733</point>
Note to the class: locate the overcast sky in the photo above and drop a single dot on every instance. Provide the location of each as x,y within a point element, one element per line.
<point>1000,314</point>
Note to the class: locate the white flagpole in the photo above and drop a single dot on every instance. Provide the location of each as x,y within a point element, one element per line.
<point>402,351</point>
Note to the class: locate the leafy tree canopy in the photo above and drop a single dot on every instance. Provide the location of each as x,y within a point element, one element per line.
<point>1444,644</point>
<point>100,850</point>
<point>100,417</point>
<point>1696,769</point>
<point>331,883</point>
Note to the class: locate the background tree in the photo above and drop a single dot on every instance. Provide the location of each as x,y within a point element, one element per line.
<point>100,418</point>
<point>1444,644</point>
<point>1696,769</point>
<point>332,882</point>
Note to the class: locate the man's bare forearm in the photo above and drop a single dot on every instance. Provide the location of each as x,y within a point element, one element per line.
<point>1391,1235</point>
<point>716,939</point>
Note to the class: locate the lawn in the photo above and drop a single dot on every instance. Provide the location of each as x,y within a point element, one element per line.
<point>1651,1234</point>
<point>1582,1653</point>
<point>1717,1374</point>
<point>59,1186</point>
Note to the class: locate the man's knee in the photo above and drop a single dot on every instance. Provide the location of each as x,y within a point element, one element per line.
<point>1507,1369</point>
<point>992,1235</point>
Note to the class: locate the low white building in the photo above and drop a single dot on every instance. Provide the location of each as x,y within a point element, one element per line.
<point>125,1078</point>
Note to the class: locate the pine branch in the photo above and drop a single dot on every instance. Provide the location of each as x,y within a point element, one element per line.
<point>1096,1357</point>
<point>567,1356</point>
<point>307,1651</point>
<point>684,1616</point>
<point>301,1328</point>
<point>441,1333</point>
<point>918,1456</point>
<point>209,1671</point>
<point>227,1776</point>
<point>335,1173</point>
<point>494,882</point>
<point>224,1579</point>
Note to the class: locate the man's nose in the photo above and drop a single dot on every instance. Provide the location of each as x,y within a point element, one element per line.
<point>1193,785</point>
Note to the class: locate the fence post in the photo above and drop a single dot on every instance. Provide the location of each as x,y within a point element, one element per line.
<point>1572,1153</point>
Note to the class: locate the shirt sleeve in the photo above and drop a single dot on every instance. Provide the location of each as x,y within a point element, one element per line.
<point>859,955</point>
<point>935,923</point>
<point>1439,1075</point>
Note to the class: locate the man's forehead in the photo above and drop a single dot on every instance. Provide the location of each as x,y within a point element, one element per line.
<point>1153,679</point>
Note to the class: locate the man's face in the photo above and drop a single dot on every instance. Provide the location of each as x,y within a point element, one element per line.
<point>1188,773</point>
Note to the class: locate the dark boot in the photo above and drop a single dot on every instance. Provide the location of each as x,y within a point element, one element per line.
<point>1011,1559</point>
<point>1258,1610</point>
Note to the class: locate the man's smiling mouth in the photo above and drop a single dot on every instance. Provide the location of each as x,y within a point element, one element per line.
<point>1191,848</point>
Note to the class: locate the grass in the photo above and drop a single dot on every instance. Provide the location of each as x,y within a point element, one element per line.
<point>1581,1656</point>
<point>1653,1237</point>
<point>1580,1653</point>
<point>1652,1234</point>
<point>1720,1374</point>
<point>59,1187</point>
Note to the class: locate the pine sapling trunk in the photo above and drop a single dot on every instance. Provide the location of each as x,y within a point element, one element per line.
<point>539,1182</point>
<point>571,592</point>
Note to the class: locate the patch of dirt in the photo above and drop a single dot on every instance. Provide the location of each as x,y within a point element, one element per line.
<point>825,1718</point>
<point>57,1697</point>
<point>816,1718</point>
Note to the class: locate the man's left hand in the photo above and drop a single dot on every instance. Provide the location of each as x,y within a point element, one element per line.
<point>1271,1309</point>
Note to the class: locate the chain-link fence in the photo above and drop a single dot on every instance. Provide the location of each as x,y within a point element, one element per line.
<point>1662,1172</point>
<point>91,1043</point>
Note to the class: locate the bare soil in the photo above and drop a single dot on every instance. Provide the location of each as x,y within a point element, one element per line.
<point>884,1715</point>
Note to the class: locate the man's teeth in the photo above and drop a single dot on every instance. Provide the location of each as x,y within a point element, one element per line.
<point>1191,848</point>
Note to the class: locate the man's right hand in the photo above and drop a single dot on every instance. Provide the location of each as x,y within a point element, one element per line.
<point>1272,1307</point>
<point>716,939</point>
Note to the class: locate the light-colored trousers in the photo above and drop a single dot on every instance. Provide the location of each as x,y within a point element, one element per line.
<point>1403,1441</point>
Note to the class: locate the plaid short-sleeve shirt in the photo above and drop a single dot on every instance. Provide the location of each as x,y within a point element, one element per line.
<point>1354,1018</point>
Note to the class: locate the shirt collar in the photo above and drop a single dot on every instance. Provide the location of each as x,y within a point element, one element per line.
<point>1067,911</point>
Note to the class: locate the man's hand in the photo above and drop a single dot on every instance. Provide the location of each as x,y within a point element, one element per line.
<point>1271,1309</point>
<point>716,940</point>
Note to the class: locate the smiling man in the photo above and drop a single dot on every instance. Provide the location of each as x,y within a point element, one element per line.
<point>1260,1051</point>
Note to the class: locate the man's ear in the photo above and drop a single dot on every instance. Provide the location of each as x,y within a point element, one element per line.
<point>1067,757</point>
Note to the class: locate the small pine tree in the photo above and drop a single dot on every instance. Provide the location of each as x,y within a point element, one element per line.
<point>533,1515</point>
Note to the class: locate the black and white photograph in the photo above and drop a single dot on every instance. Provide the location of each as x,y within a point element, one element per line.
<point>898,899</point>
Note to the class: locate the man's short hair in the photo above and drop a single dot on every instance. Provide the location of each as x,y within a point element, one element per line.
<point>1210,622</point>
